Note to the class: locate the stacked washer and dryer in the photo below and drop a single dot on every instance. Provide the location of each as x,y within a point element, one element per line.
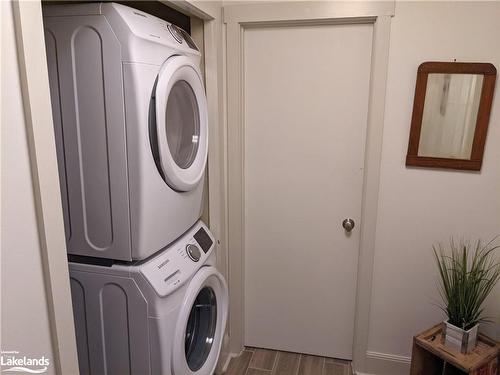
<point>130,120</point>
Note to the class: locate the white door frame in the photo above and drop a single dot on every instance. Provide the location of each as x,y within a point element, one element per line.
<point>43,161</point>
<point>237,19</point>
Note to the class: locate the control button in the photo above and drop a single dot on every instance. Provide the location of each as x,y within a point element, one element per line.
<point>188,40</point>
<point>193,252</point>
<point>176,33</point>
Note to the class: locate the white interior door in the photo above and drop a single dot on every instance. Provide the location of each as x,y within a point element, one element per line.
<point>305,96</point>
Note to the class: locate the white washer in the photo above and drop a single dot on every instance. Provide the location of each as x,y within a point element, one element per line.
<point>131,128</point>
<point>163,316</point>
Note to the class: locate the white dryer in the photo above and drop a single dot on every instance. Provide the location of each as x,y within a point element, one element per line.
<point>131,128</point>
<point>162,316</point>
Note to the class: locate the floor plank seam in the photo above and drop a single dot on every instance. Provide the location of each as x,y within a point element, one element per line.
<point>259,368</point>
<point>275,362</point>
<point>250,360</point>
<point>298,364</point>
<point>275,367</point>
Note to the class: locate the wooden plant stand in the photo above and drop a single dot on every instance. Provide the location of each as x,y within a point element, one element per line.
<point>431,357</point>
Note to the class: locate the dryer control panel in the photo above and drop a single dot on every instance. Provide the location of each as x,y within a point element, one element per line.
<point>180,261</point>
<point>150,27</point>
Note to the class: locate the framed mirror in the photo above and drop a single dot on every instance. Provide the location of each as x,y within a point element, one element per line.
<point>451,111</point>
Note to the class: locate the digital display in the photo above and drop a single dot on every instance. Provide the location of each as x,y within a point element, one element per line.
<point>203,240</point>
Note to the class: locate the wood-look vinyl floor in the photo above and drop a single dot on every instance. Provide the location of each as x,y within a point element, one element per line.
<point>255,361</point>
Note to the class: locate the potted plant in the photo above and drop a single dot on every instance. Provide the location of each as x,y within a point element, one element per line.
<point>468,273</point>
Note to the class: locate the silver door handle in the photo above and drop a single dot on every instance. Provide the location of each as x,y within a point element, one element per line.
<point>348,224</point>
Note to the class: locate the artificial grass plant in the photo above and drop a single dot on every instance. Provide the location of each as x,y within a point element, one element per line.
<point>468,273</point>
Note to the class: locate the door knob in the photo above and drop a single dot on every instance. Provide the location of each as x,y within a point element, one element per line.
<point>348,224</point>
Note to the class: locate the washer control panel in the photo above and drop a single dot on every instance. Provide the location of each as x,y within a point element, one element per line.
<point>180,261</point>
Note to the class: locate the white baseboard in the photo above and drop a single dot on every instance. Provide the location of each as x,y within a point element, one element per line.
<point>386,364</point>
<point>388,357</point>
<point>224,362</point>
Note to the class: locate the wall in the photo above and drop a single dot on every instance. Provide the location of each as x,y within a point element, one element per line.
<point>419,207</point>
<point>24,313</point>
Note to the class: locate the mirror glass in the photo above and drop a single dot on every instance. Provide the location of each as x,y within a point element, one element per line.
<point>450,113</point>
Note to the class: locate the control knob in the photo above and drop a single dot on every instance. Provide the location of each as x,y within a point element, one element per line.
<point>175,32</point>
<point>193,252</point>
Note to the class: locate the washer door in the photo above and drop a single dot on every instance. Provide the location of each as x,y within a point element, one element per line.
<point>181,123</point>
<point>201,324</point>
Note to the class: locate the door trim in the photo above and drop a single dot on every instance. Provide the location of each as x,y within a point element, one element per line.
<point>238,18</point>
<point>43,161</point>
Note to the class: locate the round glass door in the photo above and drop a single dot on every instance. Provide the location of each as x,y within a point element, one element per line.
<point>182,121</point>
<point>200,329</point>
<point>181,124</point>
<point>201,324</point>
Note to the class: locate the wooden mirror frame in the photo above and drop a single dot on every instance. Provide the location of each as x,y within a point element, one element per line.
<point>474,163</point>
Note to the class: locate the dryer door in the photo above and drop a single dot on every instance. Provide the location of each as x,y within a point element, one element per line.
<point>201,325</point>
<point>181,123</point>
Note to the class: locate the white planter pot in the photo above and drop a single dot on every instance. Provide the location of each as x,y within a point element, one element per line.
<point>458,339</point>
